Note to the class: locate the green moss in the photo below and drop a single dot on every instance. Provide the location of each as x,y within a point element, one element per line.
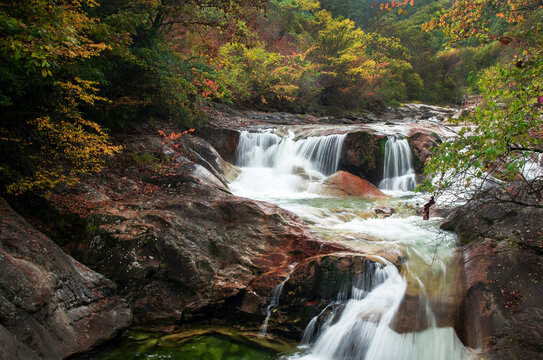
<point>212,345</point>
<point>146,160</point>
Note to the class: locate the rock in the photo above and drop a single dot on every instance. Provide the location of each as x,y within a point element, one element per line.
<point>445,298</point>
<point>343,184</point>
<point>383,211</point>
<point>317,282</point>
<point>50,305</point>
<point>503,308</point>
<point>203,153</point>
<point>422,143</point>
<point>363,154</point>
<point>190,173</point>
<point>225,141</point>
<point>194,252</point>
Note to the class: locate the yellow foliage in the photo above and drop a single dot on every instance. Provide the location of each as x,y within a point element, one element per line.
<point>69,146</point>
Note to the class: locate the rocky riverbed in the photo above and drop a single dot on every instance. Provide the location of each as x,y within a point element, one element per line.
<point>169,244</point>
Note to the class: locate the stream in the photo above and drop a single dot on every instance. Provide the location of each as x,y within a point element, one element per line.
<point>286,170</point>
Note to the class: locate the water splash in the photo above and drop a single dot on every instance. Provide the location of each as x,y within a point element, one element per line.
<point>274,301</point>
<point>398,171</point>
<point>284,167</point>
<point>266,149</point>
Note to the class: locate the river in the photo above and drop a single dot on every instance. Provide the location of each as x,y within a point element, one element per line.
<point>287,169</point>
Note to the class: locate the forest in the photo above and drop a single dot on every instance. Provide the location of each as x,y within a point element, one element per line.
<point>271,179</point>
<point>74,72</point>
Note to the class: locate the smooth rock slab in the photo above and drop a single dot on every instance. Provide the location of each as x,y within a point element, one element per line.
<point>344,184</point>
<point>51,306</point>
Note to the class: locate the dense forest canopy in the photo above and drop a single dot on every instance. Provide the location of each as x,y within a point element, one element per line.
<point>72,69</point>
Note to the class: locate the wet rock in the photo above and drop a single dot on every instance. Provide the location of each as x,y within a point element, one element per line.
<point>317,282</point>
<point>383,211</point>
<point>344,184</point>
<point>194,252</point>
<point>363,154</point>
<point>50,305</point>
<point>444,301</point>
<point>422,143</point>
<point>503,308</point>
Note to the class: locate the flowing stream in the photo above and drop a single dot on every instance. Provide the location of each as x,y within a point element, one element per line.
<point>398,172</point>
<point>370,323</point>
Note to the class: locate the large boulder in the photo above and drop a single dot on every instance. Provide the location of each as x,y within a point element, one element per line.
<point>344,184</point>
<point>363,154</point>
<point>183,248</point>
<point>180,257</point>
<point>503,308</point>
<point>317,282</point>
<point>51,306</point>
<point>422,143</point>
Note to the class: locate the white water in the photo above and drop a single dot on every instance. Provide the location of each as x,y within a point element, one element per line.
<point>283,167</point>
<point>533,169</point>
<point>274,301</point>
<point>398,171</point>
<point>275,169</point>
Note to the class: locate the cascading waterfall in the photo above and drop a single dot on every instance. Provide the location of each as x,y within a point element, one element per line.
<point>284,166</point>
<point>274,301</point>
<point>257,149</point>
<point>363,330</point>
<point>398,171</point>
<point>360,326</point>
<point>265,149</point>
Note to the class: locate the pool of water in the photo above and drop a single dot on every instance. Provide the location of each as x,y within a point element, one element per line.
<point>196,344</point>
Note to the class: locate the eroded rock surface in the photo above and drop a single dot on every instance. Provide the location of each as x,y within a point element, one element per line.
<point>184,248</point>
<point>503,309</point>
<point>318,282</point>
<point>344,184</point>
<point>50,305</point>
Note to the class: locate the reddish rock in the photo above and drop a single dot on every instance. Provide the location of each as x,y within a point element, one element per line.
<point>343,184</point>
<point>422,143</point>
<point>50,305</point>
<point>503,308</point>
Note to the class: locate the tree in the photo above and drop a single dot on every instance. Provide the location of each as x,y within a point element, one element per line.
<point>41,98</point>
<point>503,136</point>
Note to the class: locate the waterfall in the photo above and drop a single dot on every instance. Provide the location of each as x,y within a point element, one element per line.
<point>363,331</point>
<point>274,301</point>
<point>398,171</point>
<point>284,167</point>
<point>265,149</point>
<point>359,324</point>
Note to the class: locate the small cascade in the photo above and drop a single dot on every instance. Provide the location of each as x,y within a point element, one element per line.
<point>265,149</point>
<point>533,169</point>
<point>274,301</point>
<point>398,171</point>
<point>257,149</point>
<point>361,328</point>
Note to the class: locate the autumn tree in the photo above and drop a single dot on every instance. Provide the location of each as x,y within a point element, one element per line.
<point>501,141</point>
<point>42,99</point>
